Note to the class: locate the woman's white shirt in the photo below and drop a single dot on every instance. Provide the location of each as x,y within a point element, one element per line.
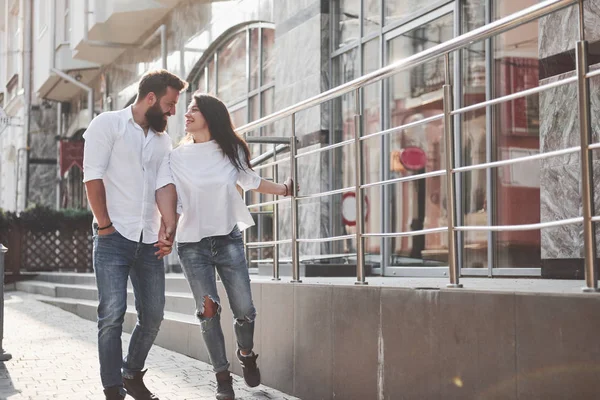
<point>208,200</point>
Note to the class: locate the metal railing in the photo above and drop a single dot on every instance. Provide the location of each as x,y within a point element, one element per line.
<point>450,169</point>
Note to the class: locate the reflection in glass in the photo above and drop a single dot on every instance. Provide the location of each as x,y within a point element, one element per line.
<point>347,23</point>
<point>415,95</point>
<point>232,69</point>
<point>371,17</point>
<point>268,62</point>
<point>254,59</point>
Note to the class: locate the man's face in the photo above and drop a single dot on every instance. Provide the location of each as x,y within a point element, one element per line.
<point>162,109</point>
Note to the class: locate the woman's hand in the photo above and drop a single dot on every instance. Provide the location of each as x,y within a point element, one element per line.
<point>289,185</point>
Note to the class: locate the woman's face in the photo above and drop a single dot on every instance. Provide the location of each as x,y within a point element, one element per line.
<point>194,120</point>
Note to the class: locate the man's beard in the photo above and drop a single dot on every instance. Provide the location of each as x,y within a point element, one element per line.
<point>156,118</point>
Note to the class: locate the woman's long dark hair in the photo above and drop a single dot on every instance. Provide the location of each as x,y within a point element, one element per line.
<point>222,130</point>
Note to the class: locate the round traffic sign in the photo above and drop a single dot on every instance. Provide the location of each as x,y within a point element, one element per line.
<point>349,208</point>
<point>413,158</point>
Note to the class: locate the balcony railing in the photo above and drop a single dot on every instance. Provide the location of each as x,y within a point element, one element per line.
<point>450,168</point>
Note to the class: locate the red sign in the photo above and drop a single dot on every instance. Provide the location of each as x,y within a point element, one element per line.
<point>413,158</point>
<point>71,153</point>
<point>349,208</point>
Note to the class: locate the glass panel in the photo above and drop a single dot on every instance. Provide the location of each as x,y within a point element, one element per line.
<point>522,60</point>
<point>346,28</point>
<point>268,101</point>
<point>239,117</point>
<point>211,77</point>
<point>201,83</point>
<point>417,94</point>
<point>371,17</point>
<point>268,63</point>
<point>371,93</point>
<point>232,69</point>
<point>397,10</point>
<point>341,160</point>
<point>254,59</point>
<point>254,108</point>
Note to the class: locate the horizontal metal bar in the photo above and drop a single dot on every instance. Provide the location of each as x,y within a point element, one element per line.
<point>405,179</point>
<point>269,243</point>
<point>268,155</point>
<point>325,240</point>
<point>323,194</point>
<point>593,73</point>
<point>272,163</point>
<point>329,147</point>
<point>514,96</point>
<point>269,203</point>
<point>596,219</point>
<point>405,126</point>
<point>525,227</point>
<point>258,246</point>
<point>306,258</point>
<point>594,146</point>
<point>407,234</point>
<point>267,139</point>
<point>489,30</point>
<point>517,160</point>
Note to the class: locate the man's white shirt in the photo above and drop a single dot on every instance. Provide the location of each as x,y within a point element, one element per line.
<point>132,166</point>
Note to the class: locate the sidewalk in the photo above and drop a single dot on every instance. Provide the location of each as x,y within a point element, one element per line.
<point>55,357</point>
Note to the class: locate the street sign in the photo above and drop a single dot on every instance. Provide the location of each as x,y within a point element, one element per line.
<point>349,208</point>
<point>4,120</point>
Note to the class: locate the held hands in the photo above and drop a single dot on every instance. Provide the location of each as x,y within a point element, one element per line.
<point>289,187</point>
<point>166,234</point>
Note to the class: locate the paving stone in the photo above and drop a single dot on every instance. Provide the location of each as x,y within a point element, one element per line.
<point>55,357</point>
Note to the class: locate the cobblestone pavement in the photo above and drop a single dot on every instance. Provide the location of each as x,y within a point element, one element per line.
<point>55,357</point>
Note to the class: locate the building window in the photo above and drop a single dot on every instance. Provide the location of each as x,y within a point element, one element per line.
<point>240,71</point>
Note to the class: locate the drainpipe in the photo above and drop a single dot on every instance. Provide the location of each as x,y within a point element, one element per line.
<point>59,104</point>
<point>161,30</point>
<point>27,30</point>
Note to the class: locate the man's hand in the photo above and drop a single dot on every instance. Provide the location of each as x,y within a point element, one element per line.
<point>166,234</point>
<point>106,231</point>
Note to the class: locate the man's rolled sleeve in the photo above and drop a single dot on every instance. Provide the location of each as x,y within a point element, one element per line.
<point>164,176</point>
<point>97,148</point>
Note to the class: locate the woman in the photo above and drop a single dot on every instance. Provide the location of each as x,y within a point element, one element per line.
<point>207,167</point>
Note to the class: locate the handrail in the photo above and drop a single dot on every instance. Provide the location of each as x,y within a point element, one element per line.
<point>444,49</point>
<point>497,27</point>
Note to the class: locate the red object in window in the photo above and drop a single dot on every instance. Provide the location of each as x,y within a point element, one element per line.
<point>71,153</point>
<point>413,158</point>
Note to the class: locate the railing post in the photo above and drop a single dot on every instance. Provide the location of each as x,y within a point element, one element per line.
<point>3,355</point>
<point>294,204</point>
<point>587,180</point>
<point>358,194</point>
<point>450,192</point>
<point>275,222</point>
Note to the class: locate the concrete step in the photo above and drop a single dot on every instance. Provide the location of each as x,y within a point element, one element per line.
<point>174,282</point>
<point>176,302</point>
<point>178,332</point>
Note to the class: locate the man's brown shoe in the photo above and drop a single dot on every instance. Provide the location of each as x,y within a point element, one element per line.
<point>135,387</point>
<point>114,393</point>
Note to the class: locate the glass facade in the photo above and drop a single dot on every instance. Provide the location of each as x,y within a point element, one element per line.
<point>369,34</point>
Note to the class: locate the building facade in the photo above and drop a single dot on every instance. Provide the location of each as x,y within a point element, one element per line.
<point>64,61</point>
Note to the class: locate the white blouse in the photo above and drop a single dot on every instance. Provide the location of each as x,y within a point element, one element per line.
<point>208,200</point>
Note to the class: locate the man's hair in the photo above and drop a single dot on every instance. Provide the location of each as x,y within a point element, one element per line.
<point>157,82</point>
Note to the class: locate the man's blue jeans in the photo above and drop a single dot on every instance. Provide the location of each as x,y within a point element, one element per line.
<point>199,261</point>
<point>115,259</point>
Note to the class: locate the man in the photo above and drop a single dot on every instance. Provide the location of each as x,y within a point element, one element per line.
<point>125,162</point>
